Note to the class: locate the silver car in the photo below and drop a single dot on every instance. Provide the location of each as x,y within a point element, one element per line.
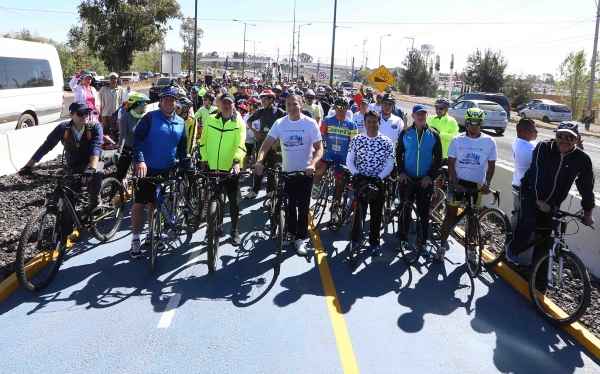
<point>547,111</point>
<point>495,115</point>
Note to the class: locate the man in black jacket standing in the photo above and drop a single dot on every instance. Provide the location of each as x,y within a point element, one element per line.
<point>556,165</point>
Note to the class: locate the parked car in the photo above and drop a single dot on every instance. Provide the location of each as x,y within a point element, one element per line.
<point>146,75</point>
<point>129,76</point>
<point>528,104</point>
<point>547,111</point>
<point>495,115</point>
<point>159,85</point>
<point>31,84</point>
<point>498,98</point>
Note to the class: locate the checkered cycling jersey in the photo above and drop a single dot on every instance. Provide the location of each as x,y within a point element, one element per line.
<point>371,154</point>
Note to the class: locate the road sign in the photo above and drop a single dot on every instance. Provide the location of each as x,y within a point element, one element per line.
<point>322,75</point>
<point>381,78</point>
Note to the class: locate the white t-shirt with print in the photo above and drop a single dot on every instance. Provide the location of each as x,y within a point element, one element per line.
<point>359,120</point>
<point>296,139</point>
<point>522,154</point>
<point>472,156</point>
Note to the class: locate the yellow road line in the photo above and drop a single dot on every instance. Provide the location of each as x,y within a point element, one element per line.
<point>340,330</point>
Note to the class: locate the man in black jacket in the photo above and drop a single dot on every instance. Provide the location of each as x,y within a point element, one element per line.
<point>556,165</point>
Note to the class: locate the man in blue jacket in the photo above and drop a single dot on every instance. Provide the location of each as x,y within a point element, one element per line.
<point>418,159</point>
<point>159,141</point>
<point>82,141</point>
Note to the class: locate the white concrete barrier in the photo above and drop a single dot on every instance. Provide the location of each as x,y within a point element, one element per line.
<point>6,165</point>
<point>23,143</point>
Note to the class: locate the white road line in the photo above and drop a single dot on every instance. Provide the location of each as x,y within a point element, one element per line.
<point>167,316</point>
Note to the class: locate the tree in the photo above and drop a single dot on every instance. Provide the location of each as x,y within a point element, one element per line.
<point>186,32</point>
<point>416,76</point>
<point>574,78</point>
<point>518,90</point>
<point>115,29</point>
<point>485,70</point>
<point>148,60</point>
<point>305,58</point>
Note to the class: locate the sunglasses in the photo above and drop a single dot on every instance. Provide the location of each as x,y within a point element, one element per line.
<point>440,107</point>
<point>82,114</point>
<point>569,138</point>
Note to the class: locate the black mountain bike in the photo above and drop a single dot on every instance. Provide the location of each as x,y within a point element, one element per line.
<point>559,278</point>
<point>44,238</point>
<point>326,192</point>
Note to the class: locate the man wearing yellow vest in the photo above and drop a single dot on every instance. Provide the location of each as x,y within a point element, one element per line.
<point>445,125</point>
<point>222,147</point>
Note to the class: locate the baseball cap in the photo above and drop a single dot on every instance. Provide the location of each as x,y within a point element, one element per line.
<point>79,108</point>
<point>169,91</point>
<point>113,75</point>
<point>419,108</point>
<point>568,127</point>
<point>267,93</point>
<point>309,93</point>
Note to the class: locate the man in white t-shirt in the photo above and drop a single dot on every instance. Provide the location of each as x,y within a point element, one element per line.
<point>522,148</point>
<point>359,117</point>
<point>390,125</point>
<point>301,149</point>
<point>471,165</point>
<point>377,105</point>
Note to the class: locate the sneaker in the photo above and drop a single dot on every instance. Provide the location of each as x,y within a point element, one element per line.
<point>135,251</point>
<point>441,252</point>
<point>235,238</point>
<point>250,195</point>
<point>300,245</point>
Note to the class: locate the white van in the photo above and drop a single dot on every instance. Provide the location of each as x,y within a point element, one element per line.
<point>31,84</point>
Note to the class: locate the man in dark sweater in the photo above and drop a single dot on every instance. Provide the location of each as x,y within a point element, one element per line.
<point>556,164</point>
<point>82,141</point>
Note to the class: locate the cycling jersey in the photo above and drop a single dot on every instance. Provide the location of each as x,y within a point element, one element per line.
<point>204,112</point>
<point>223,142</point>
<point>159,140</point>
<point>447,127</point>
<point>337,135</point>
<point>419,156</point>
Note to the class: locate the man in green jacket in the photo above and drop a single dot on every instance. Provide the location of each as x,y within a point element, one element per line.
<point>445,125</point>
<point>222,147</point>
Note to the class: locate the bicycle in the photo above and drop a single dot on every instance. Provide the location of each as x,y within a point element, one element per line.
<point>279,202</point>
<point>559,278</point>
<point>45,236</point>
<point>341,212</point>
<point>168,216</point>
<point>358,200</point>
<point>325,187</point>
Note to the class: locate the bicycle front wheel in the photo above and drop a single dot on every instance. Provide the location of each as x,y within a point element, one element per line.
<point>320,204</point>
<point>473,246</point>
<point>438,206</point>
<point>560,287</point>
<point>496,233</point>
<point>155,237</point>
<point>212,234</point>
<point>42,243</point>
<point>109,214</point>
<point>280,233</point>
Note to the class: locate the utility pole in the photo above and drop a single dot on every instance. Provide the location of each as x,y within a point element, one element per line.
<point>593,65</point>
<point>364,51</point>
<point>244,51</point>
<point>195,38</point>
<point>333,43</point>
<point>293,41</point>
<point>298,61</point>
<point>352,69</point>
<point>380,39</point>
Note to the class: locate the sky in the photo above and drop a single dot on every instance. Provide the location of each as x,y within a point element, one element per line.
<point>535,36</point>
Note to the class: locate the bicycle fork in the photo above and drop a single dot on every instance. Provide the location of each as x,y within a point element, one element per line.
<point>552,281</point>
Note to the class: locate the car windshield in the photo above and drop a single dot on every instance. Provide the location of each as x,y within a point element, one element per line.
<point>560,108</point>
<point>491,107</point>
<point>163,81</point>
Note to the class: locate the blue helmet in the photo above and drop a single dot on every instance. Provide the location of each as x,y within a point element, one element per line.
<point>169,91</point>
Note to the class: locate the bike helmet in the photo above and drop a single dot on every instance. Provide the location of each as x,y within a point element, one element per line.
<point>474,116</point>
<point>135,99</point>
<point>442,101</point>
<point>184,102</point>
<point>169,91</point>
<point>388,98</point>
<point>341,102</point>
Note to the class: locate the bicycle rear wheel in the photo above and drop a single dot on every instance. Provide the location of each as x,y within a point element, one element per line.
<point>473,246</point>
<point>280,237</point>
<point>109,214</point>
<point>155,237</point>
<point>320,205</point>
<point>42,243</point>
<point>496,233</point>
<point>212,235</point>
<point>561,281</point>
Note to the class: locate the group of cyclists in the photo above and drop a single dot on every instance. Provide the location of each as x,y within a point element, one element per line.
<point>305,130</point>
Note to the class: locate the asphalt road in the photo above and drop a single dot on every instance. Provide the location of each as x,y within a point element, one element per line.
<point>105,313</point>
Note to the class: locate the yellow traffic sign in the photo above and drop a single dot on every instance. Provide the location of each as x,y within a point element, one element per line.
<point>381,78</point>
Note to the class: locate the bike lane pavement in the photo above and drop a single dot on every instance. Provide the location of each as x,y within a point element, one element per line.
<point>104,313</point>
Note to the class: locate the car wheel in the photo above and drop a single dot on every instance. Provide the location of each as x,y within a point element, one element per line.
<point>26,120</point>
<point>546,119</point>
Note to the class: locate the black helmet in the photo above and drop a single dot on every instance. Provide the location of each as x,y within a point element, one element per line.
<point>388,98</point>
<point>341,102</point>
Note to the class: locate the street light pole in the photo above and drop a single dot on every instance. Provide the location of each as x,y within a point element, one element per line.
<point>244,51</point>
<point>593,66</point>
<point>380,40</point>
<point>293,42</point>
<point>333,43</point>
<point>298,60</point>
<point>195,39</point>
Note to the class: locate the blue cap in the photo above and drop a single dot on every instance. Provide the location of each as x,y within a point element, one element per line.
<point>169,91</point>
<point>79,108</point>
<point>419,108</point>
